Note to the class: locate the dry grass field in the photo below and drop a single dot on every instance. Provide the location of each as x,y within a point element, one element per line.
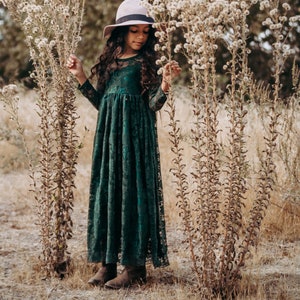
<point>272,271</point>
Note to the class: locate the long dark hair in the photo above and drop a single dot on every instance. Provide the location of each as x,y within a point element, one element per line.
<point>114,46</point>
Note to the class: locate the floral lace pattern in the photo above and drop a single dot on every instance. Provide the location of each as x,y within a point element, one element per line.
<point>126,212</point>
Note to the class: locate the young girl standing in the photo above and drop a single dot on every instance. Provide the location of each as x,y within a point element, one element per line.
<point>126,212</point>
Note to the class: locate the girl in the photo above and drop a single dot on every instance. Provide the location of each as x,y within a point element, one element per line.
<point>126,214</point>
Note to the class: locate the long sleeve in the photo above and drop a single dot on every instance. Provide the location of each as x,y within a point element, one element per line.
<point>157,99</point>
<point>90,93</point>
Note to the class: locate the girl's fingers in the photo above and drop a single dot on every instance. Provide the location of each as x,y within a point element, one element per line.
<point>172,69</point>
<point>71,62</point>
<point>173,65</point>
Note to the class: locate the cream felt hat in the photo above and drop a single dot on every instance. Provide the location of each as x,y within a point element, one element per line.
<point>130,12</point>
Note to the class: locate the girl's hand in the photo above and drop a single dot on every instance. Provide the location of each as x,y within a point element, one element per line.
<point>170,71</point>
<point>75,67</point>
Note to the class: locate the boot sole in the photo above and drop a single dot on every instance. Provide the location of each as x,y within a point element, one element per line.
<point>95,282</point>
<point>139,281</point>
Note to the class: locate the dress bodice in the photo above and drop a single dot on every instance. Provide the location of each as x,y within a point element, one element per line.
<point>126,78</point>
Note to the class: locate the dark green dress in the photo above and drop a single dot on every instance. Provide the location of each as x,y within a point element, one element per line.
<point>126,214</point>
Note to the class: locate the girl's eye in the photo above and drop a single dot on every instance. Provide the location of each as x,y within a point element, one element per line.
<point>135,31</point>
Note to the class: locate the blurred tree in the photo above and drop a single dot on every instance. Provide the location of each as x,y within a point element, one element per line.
<point>15,63</point>
<point>98,14</point>
<point>260,41</point>
<point>14,56</point>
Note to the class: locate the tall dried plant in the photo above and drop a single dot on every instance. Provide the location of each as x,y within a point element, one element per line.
<point>265,180</point>
<point>166,27</point>
<point>235,163</point>
<point>52,30</point>
<point>199,48</point>
<point>211,198</point>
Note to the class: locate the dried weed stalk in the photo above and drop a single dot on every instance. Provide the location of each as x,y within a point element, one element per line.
<point>206,169</point>
<point>211,199</point>
<point>165,29</point>
<point>52,29</point>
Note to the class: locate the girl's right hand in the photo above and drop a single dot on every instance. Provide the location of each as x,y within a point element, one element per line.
<point>75,67</point>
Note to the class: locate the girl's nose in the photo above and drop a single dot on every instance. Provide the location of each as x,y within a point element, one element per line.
<point>141,35</point>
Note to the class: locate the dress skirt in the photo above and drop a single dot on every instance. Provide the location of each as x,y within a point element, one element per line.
<point>126,212</point>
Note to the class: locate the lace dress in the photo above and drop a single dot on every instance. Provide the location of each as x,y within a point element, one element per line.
<point>126,214</point>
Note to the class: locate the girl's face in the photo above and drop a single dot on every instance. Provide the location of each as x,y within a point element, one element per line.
<point>136,38</point>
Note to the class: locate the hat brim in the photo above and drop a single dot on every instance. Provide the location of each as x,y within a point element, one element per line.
<point>109,28</point>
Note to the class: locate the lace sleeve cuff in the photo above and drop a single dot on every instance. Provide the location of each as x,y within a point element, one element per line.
<point>157,99</point>
<point>90,93</point>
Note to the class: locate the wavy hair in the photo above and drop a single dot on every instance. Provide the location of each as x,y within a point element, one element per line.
<point>107,61</point>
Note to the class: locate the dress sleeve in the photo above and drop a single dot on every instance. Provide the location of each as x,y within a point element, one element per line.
<point>90,93</point>
<point>157,98</point>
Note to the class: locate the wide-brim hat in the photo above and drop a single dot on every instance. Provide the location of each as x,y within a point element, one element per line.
<point>130,12</point>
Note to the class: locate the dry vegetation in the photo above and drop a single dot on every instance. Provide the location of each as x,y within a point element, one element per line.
<point>272,271</point>
<point>52,31</point>
<point>222,210</point>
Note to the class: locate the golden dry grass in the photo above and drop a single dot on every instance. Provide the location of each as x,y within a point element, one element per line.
<point>273,270</point>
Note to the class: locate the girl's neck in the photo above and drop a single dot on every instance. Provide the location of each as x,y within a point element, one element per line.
<point>128,54</point>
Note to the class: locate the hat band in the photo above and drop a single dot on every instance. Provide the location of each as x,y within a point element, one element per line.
<point>135,17</point>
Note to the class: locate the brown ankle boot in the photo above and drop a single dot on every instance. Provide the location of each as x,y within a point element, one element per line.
<point>129,276</point>
<point>105,273</point>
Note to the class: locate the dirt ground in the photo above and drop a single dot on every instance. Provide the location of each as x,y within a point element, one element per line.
<point>273,273</point>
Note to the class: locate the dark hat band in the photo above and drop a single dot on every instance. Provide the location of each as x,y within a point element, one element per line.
<point>135,17</point>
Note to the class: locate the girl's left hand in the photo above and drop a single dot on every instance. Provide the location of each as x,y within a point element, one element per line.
<point>170,71</point>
